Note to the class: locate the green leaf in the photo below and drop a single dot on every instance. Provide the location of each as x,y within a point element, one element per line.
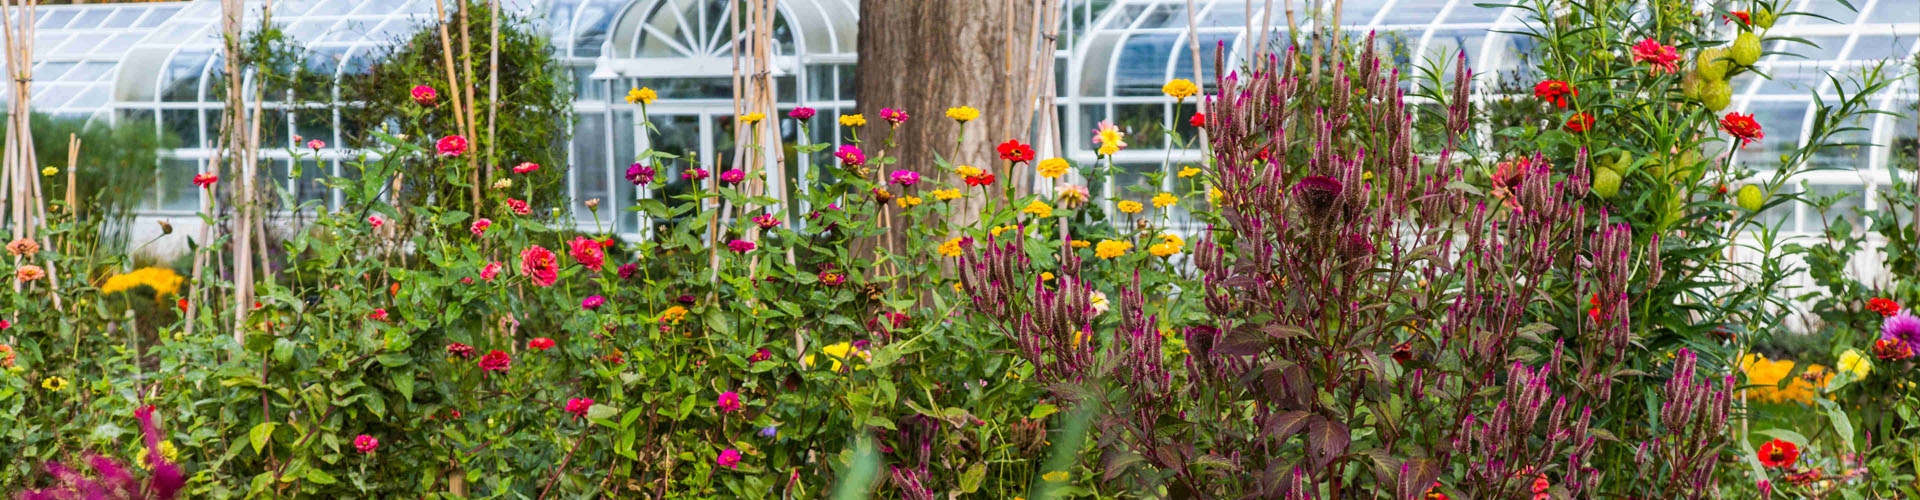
<point>391,360</point>
<point>1041,411</point>
<point>260,435</point>
<point>970,480</point>
<point>1785,435</point>
<point>320,477</point>
<point>601,412</point>
<point>1842,426</point>
<point>403,382</point>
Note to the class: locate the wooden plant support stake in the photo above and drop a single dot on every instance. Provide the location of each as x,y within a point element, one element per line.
<point>27,209</point>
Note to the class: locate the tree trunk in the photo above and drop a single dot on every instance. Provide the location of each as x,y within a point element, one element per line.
<point>923,57</point>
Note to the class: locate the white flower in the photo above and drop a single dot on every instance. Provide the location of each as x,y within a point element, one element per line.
<point>1099,302</point>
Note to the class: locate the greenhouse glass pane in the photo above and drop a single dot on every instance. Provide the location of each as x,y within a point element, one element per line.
<point>1227,13</point>
<point>183,126</point>
<point>1464,12</point>
<point>157,16</point>
<point>123,17</point>
<point>1783,121</point>
<point>1209,43</point>
<point>89,19</point>
<point>1142,124</point>
<point>57,19</point>
<point>181,81</point>
<point>1141,68</point>
<point>1166,16</point>
<point>118,44</point>
<point>590,163</point>
<point>174,189</point>
<point>1360,12</point>
<point>1878,47</point>
<point>1421,12</point>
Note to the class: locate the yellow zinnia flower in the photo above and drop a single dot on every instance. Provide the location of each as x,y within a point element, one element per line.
<point>1110,249</point>
<point>908,201</point>
<point>55,384</point>
<point>852,120</point>
<point>673,315</point>
<point>163,281</point>
<point>1052,167</point>
<point>1038,209</point>
<point>951,248</point>
<point>836,353</point>
<point>167,451</point>
<point>966,171</point>
<point>1766,376</point>
<point>1214,195</point>
<point>1130,206</point>
<point>1180,88</point>
<point>1852,363</point>
<point>1189,172</point>
<point>49,171</point>
<point>963,114</point>
<point>641,95</point>
<point>1000,229</point>
<point>752,118</point>
<point>1046,276</point>
<point>1109,139</point>
<point>1164,200</point>
<point>1080,243</point>
<point>1169,244</point>
<point>946,194</point>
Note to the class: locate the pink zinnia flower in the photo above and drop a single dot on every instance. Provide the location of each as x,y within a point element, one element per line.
<point>424,95</point>
<point>851,155</point>
<point>376,221</point>
<point>761,355</point>
<point>579,406</point>
<point>526,167</point>
<point>639,175</point>
<point>592,302</point>
<point>539,265</point>
<point>628,270</point>
<point>801,113</point>
<point>587,252</point>
<point>1663,58</point>
<point>740,246</point>
<point>830,278</point>
<point>519,207</point>
<point>496,361</point>
<point>540,344</point>
<point>729,402</point>
<point>893,116</point>
<point>906,177</point>
<point>729,458</point>
<point>459,350</point>
<point>378,314</point>
<point>490,271</point>
<point>316,144</point>
<point>479,227</point>
<point>694,174</point>
<point>733,176</point>
<point>366,444</point>
<point>452,145</point>
<point>766,221</point>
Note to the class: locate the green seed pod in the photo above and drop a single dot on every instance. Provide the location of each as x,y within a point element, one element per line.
<point>1606,183</point>
<point>1717,95</point>
<point>1713,63</point>
<point>1620,165</point>
<point>1746,49</point>
<point>1763,18</point>
<point>1683,168</point>
<point>1751,198</point>
<point>1690,84</point>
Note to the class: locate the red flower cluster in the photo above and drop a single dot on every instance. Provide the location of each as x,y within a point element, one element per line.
<point>1741,127</point>
<point>984,179</point>
<point>518,207</point>
<point>496,361</point>
<point>540,344</point>
<point>1778,453</point>
<point>1891,349</point>
<point>1014,151</point>
<point>1555,91</point>
<point>1580,123</point>
<point>1884,306</point>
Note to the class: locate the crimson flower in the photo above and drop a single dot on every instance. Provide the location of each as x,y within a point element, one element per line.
<point>366,444</point>
<point>479,227</point>
<point>733,176</point>
<point>1014,151</point>
<point>729,402</point>
<point>1884,306</point>
<point>893,116</point>
<point>1741,127</point>
<point>459,350</point>
<point>740,246</point>
<point>539,264</point>
<point>1555,91</point>
<point>526,167</point>
<point>985,178</point>
<point>378,314</point>
<point>639,175</point>
<point>761,355</point>
<point>579,406</point>
<point>1739,15</point>
<point>1580,123</point>
<point>1661,57</point>
<point>801,113</point>
<point>540,344</point>
<point>1778,453</point>
<point>496,361</point>
<point>424,95</point>
<point>1199,120</point>
<point>851,155</point>
<point>205,181</point>
<point>587,252</point>
<point>519,207</point>
<point>1891,349</point>
<point>451,146</point>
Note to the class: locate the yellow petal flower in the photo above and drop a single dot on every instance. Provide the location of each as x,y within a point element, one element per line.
<point>963,114</point>
<point>1164,200</point>
<point>1180,88</point>
<point>852,120</point>
<point>641,95</point>
<point>1130,206</point>
<point>1108,249</point>
<point>1052,167</point>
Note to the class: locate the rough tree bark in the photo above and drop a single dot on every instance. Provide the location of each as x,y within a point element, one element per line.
<point>923,57</point>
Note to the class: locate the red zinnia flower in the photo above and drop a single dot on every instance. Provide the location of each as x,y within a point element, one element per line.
<point>1662,57</point>
<point>1579,123</point>
<point>1740,15</point>
<point>1778,453</point>
<point>518,207</point>
<point>205,180</point>
<point>378,315</point>
<point>526,167</point>
<point>539,265</point>
<point>496,361</point>
<point>761,355</point>
<point>587,252</point>
<point>1884,306</point>
<point>459,350</point>
<point>1555,91</point>
<point>452,145</point>
<point>851,155</point>
<point>540,344</point>
<point>579,406</point>
<point>1014,151</point>
<point>1199,120</point>
<point>365,444</point>
<point>424,95</point>
<point>985,178</point>
<point>1741,127</point>
<point>1891,349</point>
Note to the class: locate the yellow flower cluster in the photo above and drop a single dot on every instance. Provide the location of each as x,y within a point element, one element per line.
<point>1854,364</point>
<point>1164,200</point>
<point>1766,375</point>
<point>1108,249</point>
<point>673,315</point>
<point>641,95</point>
<point>1180,88</point>
<point>963,114</point>
<point>1052,167</point>
<point>1038,209</point>
<point>1214,195</point>
<point>966,171</point>
<point>1189,171</point>
<point>908,201</point>
<point>853,120</point>
<point>836,353</point>
<point>49,171</point>
<point>163,281</point>
<point>1000,229</point>
<point>1080,243</point>
<point>1130,206</point>
<point>948,194</point>
<point>1169,244</point>
<point>951,248</point>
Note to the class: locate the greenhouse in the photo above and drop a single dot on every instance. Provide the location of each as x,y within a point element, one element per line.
<point>1046,249</point>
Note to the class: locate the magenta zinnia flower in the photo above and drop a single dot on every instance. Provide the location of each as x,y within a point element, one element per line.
<point>496,361</point>
<point>587,252</point>
<point>539,265</point>
<point>579,406</point>
<point>592,302</point>
<point>729,402</point>
<point>628,270</point>
<point>424,95</point>
<point>729,458</point>
<point>366,444</point>
<point>733,176</point>
<point>851,155</point>
<point>526,167</point>
<point>490,271</point>
<point>479,227</point>
<point>452,145</point>
<point>801,113</point>
<point>639,175</point>
<point>740,246</point>
<point>906,177</point>
<point>1662,57</point>
<point>766,221</point>
<point>893,116</point>
<point>1904,327</point>
<point>459,350</point>
<point>694,174</point>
